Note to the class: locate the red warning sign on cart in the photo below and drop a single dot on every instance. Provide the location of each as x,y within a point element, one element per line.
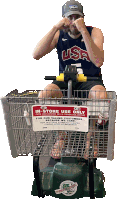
<point>55,117</point>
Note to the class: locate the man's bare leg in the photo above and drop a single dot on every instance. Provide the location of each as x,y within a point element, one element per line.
<point>91,133</point>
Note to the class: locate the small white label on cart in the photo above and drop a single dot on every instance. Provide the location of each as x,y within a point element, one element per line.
<point>67,188</point>
<point>55,117</point>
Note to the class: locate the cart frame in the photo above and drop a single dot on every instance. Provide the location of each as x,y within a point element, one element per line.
<point>91,161</point>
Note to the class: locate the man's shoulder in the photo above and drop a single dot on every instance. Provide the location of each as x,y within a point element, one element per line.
<point>94,30</point>
<point>92,27</point>
<point>97,31</point>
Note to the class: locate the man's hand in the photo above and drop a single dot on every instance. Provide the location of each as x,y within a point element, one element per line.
<point>63,24</point>
<point>80,24</point>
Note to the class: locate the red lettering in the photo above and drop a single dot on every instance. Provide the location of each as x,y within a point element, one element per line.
<point>84,55</point>
<point>64,56</point>
<point>75,51</point>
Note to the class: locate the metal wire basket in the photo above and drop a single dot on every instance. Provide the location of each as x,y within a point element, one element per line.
<point>96,142</point>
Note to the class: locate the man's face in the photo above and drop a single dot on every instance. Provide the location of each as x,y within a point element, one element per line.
<point>73,30</point>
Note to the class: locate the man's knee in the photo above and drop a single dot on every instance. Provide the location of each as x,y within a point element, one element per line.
<point>97,92</point>
<point>51,90</point>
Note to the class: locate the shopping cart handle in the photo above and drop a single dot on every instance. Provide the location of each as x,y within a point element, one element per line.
<point>61,78</point>
<point>50,78</point>
<point>93,78</point>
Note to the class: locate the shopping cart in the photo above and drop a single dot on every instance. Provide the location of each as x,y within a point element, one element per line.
<point>34,125</point>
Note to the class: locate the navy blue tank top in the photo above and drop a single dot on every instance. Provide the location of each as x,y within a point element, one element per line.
<point>73,51</point>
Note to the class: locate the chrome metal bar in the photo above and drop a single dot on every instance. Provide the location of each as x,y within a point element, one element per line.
<point>69,91</point>
<point>111,130</point>
<point>9,127</point>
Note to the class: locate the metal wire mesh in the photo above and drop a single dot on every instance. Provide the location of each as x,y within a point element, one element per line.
<point>93,143</point>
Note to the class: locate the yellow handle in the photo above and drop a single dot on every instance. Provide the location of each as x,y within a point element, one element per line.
<point>60,78</point>
<point>80,77</point>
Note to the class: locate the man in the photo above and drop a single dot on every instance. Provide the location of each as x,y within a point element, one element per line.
<point>76,44</point>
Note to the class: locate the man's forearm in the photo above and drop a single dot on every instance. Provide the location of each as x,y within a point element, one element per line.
<point>44,43</point>
<point>95,55</point>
